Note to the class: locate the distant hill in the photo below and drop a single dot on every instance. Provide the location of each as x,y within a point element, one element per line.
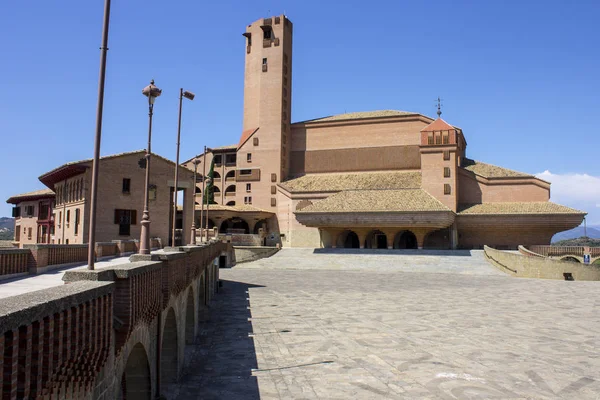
<point>592,232</point>
<point>582,241</point>
<point>7,227</point>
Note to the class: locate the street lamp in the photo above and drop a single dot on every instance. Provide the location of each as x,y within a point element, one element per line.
<point>193,235</point>
<point>189,96</point>
<point>152,92</point>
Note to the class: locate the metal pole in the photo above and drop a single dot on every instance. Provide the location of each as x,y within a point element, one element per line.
<point>584,227</point>
<point>145,234</point>
<point>203,194</point>
<point>193,233</point>
<point>208,199</point>
<point>176,169</point>
<point>95,162</point>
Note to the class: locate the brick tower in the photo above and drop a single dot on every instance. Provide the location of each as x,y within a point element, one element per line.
<point>263,150</point>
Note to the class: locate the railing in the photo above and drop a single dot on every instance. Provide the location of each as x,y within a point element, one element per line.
<point>594,252</point>
<point>66,254</point>
<point>557,251</point>
<point>13,261</point>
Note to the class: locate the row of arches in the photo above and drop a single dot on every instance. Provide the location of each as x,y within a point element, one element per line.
<point>405,239</point>
<point>136,381</point>
<point>235,225</point>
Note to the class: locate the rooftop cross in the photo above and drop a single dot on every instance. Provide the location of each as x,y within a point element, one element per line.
<point>439,107</point>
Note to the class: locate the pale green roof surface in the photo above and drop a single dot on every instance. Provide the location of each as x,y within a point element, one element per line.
<point>353,181</point>
<point>516,208</point>
<point>402,200</point>
<point>491,171</point>
<point>363,114</point>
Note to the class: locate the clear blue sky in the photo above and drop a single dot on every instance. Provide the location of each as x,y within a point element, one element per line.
<point>520,77</point>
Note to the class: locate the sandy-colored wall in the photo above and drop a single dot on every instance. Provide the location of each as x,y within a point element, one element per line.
<point>433,180</point>
<point>296,234</point>
<point>472,191</point>
<point>25,224</point>
<point>536,267</point>
<point>502,237</point>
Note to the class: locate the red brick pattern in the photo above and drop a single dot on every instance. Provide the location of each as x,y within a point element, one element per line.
<point>13,261</point>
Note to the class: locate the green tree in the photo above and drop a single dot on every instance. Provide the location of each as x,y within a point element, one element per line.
<point>209,190</point>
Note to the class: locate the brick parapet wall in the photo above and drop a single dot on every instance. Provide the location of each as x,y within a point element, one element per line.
<point>13,261</point>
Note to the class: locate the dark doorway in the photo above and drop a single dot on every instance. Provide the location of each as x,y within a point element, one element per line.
<point>405,240</point>
<point>234,225</point>
<point>381,241</point>
<point>222,261</point>
<point>351,241</point>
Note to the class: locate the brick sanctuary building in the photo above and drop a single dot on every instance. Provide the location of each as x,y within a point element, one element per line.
<point>382,179</point>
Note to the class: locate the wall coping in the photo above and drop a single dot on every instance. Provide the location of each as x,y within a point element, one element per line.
<point>54,246</point>
<point>14,251</point>
<point>113,272</point>
<point>25,308</point>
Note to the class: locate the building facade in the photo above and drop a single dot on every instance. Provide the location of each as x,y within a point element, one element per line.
<point>382,179</point>
<point>34,220</point>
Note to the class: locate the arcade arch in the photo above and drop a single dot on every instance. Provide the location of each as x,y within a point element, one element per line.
<point>405,240</point>
<point>136,381</point>
<point>376,239</point>
<point>348,240</point>
<point>169,353</point>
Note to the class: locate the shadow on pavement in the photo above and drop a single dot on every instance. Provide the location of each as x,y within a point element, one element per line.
<point>396,252</point>
<point>220,363</point>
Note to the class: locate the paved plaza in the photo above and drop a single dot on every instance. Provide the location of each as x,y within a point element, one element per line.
<point>331,325</point>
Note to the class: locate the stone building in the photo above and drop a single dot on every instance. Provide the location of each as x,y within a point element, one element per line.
<point>120,198</point>
<point>34,222</point>
<point>383,179</point>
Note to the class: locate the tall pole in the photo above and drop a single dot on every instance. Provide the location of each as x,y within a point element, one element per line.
<point>176,169</point>
<point>203,195</point>
<point>145,234</point>
<point>95,162</point>
<point>193,233</point>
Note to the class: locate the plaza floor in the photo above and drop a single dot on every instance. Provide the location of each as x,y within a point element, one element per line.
<point>327,327</point>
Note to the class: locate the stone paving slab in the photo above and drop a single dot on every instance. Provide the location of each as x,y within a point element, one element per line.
<point>322,333</point>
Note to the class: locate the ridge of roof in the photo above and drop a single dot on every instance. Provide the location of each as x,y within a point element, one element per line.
<point>35,194</point>
<point>438,125</point>
<point>516,208</point>
<point>360,115</point>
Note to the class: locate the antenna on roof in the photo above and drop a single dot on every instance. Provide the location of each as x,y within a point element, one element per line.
<point>439,107</point>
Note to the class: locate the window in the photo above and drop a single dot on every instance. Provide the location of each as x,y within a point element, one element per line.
<point>218,159</point>
<point>249,157</point>
<point>18,234</point>
<point>273,189</point>
<point>152,192</point>
<point>68,216</point>
<point>16,212</point>
<point>446,172</point>
<point>29,230</point>
<point>447,189</point>
<point>273,177</point>
<point>430,138</point>
<point>255,141</point>
<point>267,32</point>
<point>248,187</point>
<point>446,138</point>
<point>248,200</point>
<point>126,186</point>
<point>77,221</point>
<point>273,201</point>
<point>438,139</point>
<point>245,172</point>
<point>264,61</point>
<point>446,155</point>
<point>125,218</point>
<point>59,218</point>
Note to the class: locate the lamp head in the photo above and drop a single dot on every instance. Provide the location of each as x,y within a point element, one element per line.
<point>189,95</point>
<point>151,92</point>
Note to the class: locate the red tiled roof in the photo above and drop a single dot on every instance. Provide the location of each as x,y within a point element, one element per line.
<point>437,125</point>
<point>246,135</point>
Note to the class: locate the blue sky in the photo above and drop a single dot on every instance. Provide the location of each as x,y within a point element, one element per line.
<point>520,77</point>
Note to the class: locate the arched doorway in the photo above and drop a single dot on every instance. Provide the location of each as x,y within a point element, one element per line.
<point>260,224</point>
<point>136,377</point>
<point>230,175</point>
<point>438,240</point>
<point>376,240</point>
<point>189,318</point>
<point>234,225</point>
<point>570,259</point>
<point>169,349</point>
<point>348,240</point>
<point>405,240</point>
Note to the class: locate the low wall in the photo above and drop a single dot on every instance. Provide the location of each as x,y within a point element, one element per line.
<point>540,267</point>
<point>13,263</point>
<point>252,253</point>
<point>241,239</point>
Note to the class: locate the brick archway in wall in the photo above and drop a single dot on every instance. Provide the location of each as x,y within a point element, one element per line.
<point>189,318</point>
<point>348,240</point>
<point>405,240</point>
<point>437,240</point>
<point>376,239</point>
<point>136,381</point>
<point>201,299</point>
<point>169,353</point>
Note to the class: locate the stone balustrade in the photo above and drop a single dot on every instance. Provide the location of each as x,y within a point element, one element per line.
<point>13,262</point>
<point>44,256</point>
<point>557,251</point>
<point>58,343</point>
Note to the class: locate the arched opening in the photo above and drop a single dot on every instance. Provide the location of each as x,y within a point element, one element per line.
<point>216,175</point>
<point>216,189</point>
<point>348,240</point>
<point>230,190</point>
<point>201,299</point>
<point>234,225</point>
<point>198,190</point>
<point>189,318</point>
<point>211,223</point>
<point>169,349</point>
<point>438,240</point>
<point>570,259</point>
<point>135,382</point>
<point>261,224</point>
<point>376,240</point>
<point>405,240</point>
<point>230,203</point>
<point>230,175</point>
<point>303,204</point>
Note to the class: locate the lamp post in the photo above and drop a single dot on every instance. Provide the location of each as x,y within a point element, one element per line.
<point>95,162</point>
<point>203,194</point>
<point>152,92</point>
<point>193,235</point>
<point>189,96</point>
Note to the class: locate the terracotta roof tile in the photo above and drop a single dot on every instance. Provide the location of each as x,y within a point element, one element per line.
<point>365,201</point>
<point>438,125</point>
<point>35,194</point>
<point>349,181</point>
<point>362,114</point>
<point>246,135</point>
<point>516,208</point>
<point>491,171</point>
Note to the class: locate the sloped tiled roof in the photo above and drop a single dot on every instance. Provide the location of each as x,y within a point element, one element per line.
<point>437,125</point>
<point>365,201</point>
<point>246,135</point>
<point>240,208</point>
<point>362,114</point>
<point>516,208</point>
<point>491,171</point>
<point>30,195</point>
<point>352,181</point>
